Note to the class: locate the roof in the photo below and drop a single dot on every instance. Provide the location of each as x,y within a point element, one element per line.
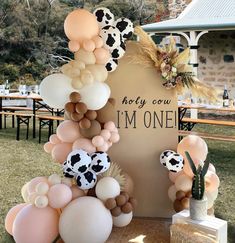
<point>199,15</point>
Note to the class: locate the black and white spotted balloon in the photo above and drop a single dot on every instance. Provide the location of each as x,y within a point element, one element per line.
<point>111,36</point>
<point>111,65</point>
<point>100,162</point>
<point>104,17</point>
<point>164,155</point>
<point>67,171</point>
<point>125,26</point>
<point>175,162</point>
<point>119,51</point>
<point>86,180</point>
<point>79,161</point>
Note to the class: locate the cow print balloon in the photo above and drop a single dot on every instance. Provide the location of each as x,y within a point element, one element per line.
<point>67,171</point>
<point>119,51</point>
<point>111,37</point>
<point>100,162</point>
<point>104,17</point>
<point>164,155</point>
<point>79,161</point>
<point>125,26</point>
<point>111,65</point>
<point>86,180</point>
<point>175,162</point>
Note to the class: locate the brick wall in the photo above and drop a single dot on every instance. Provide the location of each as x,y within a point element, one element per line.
<point>216,59</point>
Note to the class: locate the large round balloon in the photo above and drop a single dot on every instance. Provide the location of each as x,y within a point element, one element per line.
<point>123,219</point>
<point>100,162</point>
<point>111,37</point>
<point>95,95</point>
<point>183,183</point>
<point>119,51</point>
<point>79,161</point>
<point>175,162</point>
<point>37,225</point>
<point>55,90</point>
<point>164,155</point>
<point>80,25</point>
<point>85,220</point>
<point>111,65</point>
<point>125,26</point>
<point>86,180</point>
<point>85,144</point>
<point>104,17</point>
<point>60,152</point>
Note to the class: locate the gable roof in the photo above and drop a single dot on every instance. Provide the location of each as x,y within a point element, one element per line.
<point>199,15</point>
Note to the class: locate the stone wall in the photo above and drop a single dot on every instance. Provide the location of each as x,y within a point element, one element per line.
<point>216,59</point>
<point>176,7</point>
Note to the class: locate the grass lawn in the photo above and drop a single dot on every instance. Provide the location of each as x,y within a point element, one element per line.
<point>22,160</point>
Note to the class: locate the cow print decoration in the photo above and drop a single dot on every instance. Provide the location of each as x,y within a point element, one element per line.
<point>111,36</point>
<point>175,162</point>
<point>119,51</point>
<point>125,26</point>
<point>86,180</point>
<point>164,155</point>
<point>111,65</point>
<point>104,17</point>
<point>67,172</point>
<point>100,162</point>
<point>79,161</point>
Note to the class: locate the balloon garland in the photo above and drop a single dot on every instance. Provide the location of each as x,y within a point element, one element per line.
<point>81,199</point>
<point>181,175</point>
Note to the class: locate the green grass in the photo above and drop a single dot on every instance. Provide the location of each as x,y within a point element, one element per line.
<point>22,160</point>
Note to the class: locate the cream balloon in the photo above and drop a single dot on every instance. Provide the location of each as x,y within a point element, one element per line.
<point>85,220</point>
<point>95,95</point>
<point>99,72</point>
<point>106,188</point>
<point>25,193</point>
<point>211,196</point>
<point>123,219</point>
<point>85,56</point>
<point>172,193</point>
<point>183,183</point>
<point>54,179</point>
<point>55,90</point>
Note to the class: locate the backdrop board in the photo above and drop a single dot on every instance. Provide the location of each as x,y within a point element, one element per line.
<point>147,119</point>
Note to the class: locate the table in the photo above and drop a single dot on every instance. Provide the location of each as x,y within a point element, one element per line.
<point>37,104</point>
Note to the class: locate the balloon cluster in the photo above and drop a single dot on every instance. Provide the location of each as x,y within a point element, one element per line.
<point>85,167</point>
<point>180,192</point>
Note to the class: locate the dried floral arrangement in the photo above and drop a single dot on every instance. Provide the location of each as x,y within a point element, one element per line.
<point>174,67</point>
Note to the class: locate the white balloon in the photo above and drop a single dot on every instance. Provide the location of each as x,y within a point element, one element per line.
<point>55,90</point>
<point>123,219</point>
<point>85,220</point>
<point>95,95</point>
<point>106,188</point>
<point>211,197</point>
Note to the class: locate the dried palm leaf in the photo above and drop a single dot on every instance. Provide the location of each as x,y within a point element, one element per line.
<point>182,58</point>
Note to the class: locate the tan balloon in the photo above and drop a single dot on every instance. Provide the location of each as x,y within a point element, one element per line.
<point>183,183</point>
<point>94,130</point>
<point>172,193</point>
<point>99,72</point>
<point>85,56</point>
<point>107,113</point>
<point>86,77</point>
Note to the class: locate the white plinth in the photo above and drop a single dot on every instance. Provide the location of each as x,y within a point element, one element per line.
<point>211,225</point>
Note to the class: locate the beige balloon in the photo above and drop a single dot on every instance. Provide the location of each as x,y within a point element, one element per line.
<point>24,192</point>
<point>183,183</point>
<point>172,193</point>
<point>85,56</point>
<point>77,83</point>
<point>86,77</point>
<point>99,72</point>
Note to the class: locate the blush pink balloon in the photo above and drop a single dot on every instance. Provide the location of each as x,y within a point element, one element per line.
<point>173,176</point>
<point>98,141</point>
<point>68,131</point>
<point>32,184</point>
<point>88,45</point>
<point>98,41</point>
<point>103,148</point>
<point>74,46</point>
<point>48,147</point>
<point>77,192</point>
<point>59,195</point>
<point>105,134</point>
<point>85,144</point>
<point>109,126</point>
<point>11,215</point>
<point>61,151</point>
<point>37,225</point>
<point>212,168</point>
<point>212,181</point>
<point>114,137</point>
<point>54,139</point>
<point>102,55</point>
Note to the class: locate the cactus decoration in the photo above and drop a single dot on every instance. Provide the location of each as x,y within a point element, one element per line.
<point>198,186</point>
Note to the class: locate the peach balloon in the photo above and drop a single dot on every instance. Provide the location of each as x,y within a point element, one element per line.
<point>68,131</point>
<point>85,144</point>
<point>11,215</point>
<point>106,134</point>
<point>114,137</point>
<point>98,41</point>
<point>102,55</point>
<point>60,152</point>
<point>187,169</point>
<point>77,192</point>
<point>183,183</point>
<point>37,225</point>
<point>212,181</point>
<point>80,24</point>
<point>54,139</point>
<point>88,45</point>
<point>172,193</point>
<point>48,147</point>
<point>33,183</point>
<point>173,176</point>
<point>59,196</point>
<point>98,141</point>
<point>74,46</point>
<point>103,148</point>
<point>109,126</point>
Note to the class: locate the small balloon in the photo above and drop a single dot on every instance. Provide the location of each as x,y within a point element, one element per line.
<point>111,65</point>
<point>125,26</point>
<point>74,46</point>
<point>104,17</point>
<point>122,220</point>
<point>84,144</point>
<point>100,162</point>
<point>86,180</point>
<point>88,45</point>
<point>102,55</point>
<point>111,37</point>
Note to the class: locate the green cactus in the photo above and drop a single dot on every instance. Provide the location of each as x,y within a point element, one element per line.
<point>198,186</point>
